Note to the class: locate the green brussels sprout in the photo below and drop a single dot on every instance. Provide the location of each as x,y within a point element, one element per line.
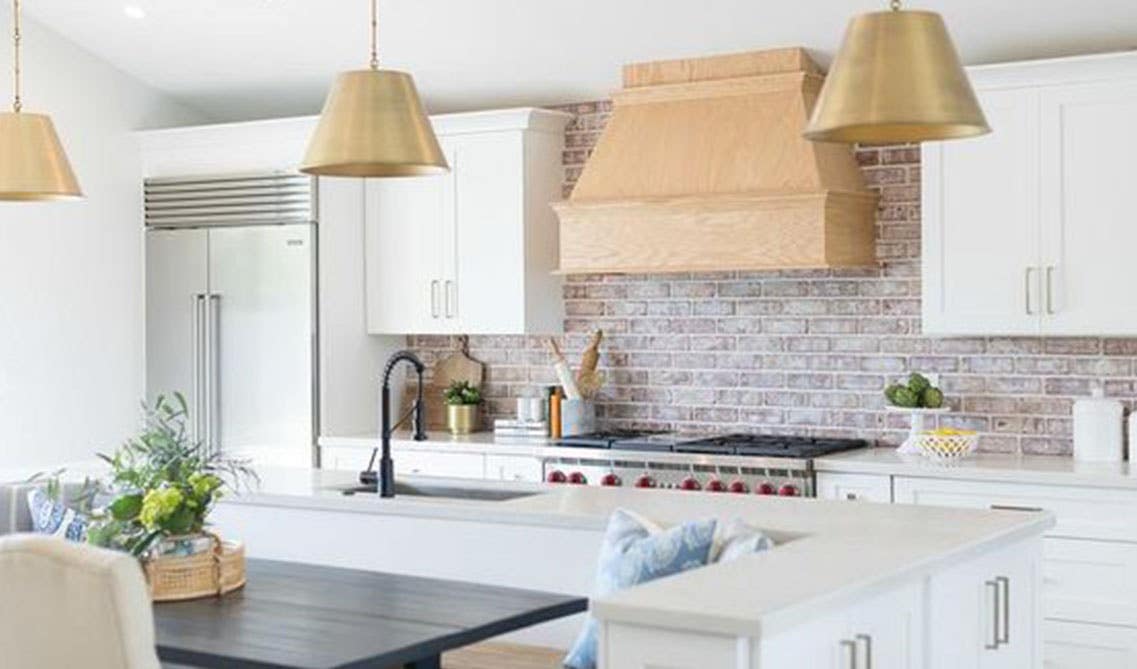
<point>903,397</point>
<point>918,383</point>
<point>932,398</point>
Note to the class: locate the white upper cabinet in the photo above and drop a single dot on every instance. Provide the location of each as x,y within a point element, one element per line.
<point>472,251</point>
<point>1089,226</point>
<point>1027,230</point>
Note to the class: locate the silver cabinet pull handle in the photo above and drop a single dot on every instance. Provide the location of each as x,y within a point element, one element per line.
<point>1026,283</point>
<point>434,298</point>
<point>1050,289</point>
<point>1012,507</point>
<point>1005,586</point>
<point>850,648</point>
<point>867,640</point>
<point>450,298</point>
<point>994,588</point>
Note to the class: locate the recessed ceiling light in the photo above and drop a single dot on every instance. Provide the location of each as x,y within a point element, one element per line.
<point>134,12</point>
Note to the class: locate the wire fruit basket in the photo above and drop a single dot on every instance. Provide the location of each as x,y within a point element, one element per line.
<point>946,445</point>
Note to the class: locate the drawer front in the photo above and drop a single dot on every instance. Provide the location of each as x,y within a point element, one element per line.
<point>454,465</point>
<point>1081,513</point>
<point>514,468</point>
<point>1068,645</point>
<point>854,487</point>
<point>1091,581</point>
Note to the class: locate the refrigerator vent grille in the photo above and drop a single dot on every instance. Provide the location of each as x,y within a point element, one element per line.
<point>247,199</point>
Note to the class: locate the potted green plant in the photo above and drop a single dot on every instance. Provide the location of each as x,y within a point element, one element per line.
<point>462,399</point>
<point>161,488</point>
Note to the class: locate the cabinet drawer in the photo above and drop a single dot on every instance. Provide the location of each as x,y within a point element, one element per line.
<point>1091,581</point>
<point>854,487</point>
<point>426,463</point>
<point>1081,513</point>
<point>625,646</point>
<point>1069,645</point>
<point>513,468</point>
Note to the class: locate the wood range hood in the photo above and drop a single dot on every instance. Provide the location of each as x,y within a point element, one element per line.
<point>703,167</point>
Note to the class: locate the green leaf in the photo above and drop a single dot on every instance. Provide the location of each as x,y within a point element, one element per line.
<point>126,507</point>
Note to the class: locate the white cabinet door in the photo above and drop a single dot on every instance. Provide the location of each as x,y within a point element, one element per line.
<point>998,596</point>
<point>886,630</point>
<point>485,292</point>
<point>980,224</point>
<point>1071,645</point>
<point>1090,581</point>
<point>404,237</point>
<point>1089,139</point>
<point>854,487</point>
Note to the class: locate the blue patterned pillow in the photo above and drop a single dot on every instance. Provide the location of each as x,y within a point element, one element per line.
<point>52,517</point>
<point>633,554</point>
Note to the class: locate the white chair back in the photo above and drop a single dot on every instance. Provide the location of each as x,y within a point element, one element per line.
<point>66,604</point>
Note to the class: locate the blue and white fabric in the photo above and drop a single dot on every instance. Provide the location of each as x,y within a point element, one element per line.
<point>632,553</point>
<point>738,538</point>
<point>53,517</point>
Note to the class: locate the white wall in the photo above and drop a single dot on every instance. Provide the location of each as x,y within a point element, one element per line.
<point>71,274</point>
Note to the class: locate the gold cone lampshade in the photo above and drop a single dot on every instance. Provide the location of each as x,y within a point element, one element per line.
<point>33,165</point>
<point>373,125</point>
<point>896,78</point>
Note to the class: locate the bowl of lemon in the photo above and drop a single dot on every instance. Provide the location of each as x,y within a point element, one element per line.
<point>947,444</point>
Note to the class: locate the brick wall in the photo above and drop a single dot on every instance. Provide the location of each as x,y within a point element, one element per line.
<point>800,351</point>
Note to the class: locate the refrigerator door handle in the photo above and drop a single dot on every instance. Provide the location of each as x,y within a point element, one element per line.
<point>198,343</point>
<point>213,371</point>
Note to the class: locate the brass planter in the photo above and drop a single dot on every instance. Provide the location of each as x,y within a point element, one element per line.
<point>461,418</point>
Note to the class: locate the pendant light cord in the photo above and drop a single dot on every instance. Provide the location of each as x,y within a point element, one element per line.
<point>374,40</point>
<point>17,104</point>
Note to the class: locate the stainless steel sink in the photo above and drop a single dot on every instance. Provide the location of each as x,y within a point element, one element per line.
<point>444,491</point>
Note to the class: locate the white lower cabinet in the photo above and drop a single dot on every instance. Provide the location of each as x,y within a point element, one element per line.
<point>1072,645</point>
<point>854,487</point>
<point>635,647</point>
<point>882,631</point>
<point>1088,595</point>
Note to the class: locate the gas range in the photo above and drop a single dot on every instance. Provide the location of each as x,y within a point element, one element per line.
<point>737,463</point>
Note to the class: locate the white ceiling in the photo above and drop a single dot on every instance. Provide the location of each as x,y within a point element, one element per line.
<point>241,59</point>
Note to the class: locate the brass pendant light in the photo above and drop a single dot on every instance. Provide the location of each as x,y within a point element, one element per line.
<point>896,78</point>
<point>33,164</point>
<point>373,125</point>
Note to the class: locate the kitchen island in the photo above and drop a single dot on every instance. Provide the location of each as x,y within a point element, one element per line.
<point>909,586</point>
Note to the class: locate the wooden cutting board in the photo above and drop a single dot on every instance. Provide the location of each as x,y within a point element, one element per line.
<point>457,366</point>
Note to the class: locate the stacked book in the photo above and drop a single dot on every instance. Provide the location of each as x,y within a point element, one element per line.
<point>520,431</point>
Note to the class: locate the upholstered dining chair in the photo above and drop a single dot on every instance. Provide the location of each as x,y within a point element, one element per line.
<point>65,604</point>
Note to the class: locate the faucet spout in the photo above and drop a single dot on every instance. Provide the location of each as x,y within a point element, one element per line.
<point>386,474</point>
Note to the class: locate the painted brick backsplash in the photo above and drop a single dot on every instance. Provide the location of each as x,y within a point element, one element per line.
<point>800,351</point>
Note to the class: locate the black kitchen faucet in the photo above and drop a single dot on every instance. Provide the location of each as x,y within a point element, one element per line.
<point>385,477</point>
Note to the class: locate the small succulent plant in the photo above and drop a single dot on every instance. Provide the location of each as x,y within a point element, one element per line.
<point>462,393</point>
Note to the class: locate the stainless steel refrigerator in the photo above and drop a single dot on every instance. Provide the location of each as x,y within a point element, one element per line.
<point>231,310</point>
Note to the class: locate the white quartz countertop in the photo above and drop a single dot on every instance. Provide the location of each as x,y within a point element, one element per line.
<point>1009,468</point>
<point>478,442</point>
<point>829,553</point>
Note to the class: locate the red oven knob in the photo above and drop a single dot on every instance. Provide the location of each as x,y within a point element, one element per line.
<point>610,479</point>
<point>765,488</point>
<point>645,481</point>
<point>577,478</point>
<point>739,486</point>
<point>789,490</point>
<point>690,483</point>
<point>556,476</point>
<point>716,485</point>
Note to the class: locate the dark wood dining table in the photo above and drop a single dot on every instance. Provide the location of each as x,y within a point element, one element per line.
<point>301,616</point>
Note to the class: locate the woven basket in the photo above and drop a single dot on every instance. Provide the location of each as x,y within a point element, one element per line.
<point>209,574</point>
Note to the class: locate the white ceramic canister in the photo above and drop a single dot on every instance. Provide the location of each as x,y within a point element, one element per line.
<point>1098,429</point>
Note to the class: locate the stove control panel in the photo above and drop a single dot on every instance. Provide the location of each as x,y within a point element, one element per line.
<point>700,478</point>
